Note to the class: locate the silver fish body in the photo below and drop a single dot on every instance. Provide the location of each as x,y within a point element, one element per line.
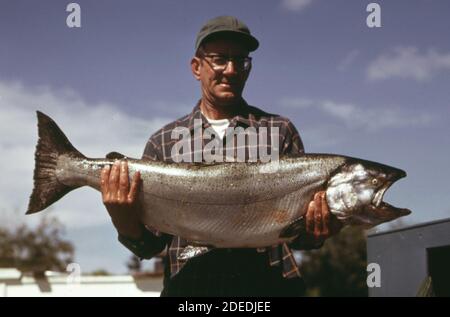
<point>231,205</point>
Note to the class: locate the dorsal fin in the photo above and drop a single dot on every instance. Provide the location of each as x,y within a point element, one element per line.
<point>115,156</point>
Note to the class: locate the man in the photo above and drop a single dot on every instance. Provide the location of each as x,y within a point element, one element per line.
<point>221,65</point>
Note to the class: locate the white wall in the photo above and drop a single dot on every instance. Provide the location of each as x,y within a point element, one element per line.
<point>13,284</point>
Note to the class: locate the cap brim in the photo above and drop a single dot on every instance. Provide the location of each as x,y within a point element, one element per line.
<point>247,40</point>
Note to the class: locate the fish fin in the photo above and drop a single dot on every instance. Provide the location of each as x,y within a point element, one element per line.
<point>115,156</point>
<point>294,228</point>
<point>191,251</point>
<point>51,144</point>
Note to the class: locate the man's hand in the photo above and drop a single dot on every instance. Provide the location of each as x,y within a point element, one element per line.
<point>120,199</point>
<point>320,223</point>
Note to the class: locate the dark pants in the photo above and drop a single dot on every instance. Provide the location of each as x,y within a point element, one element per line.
<point>231,272</point>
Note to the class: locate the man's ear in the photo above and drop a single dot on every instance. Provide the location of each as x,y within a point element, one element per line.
<point>195,67</point>
<point>248,72</point>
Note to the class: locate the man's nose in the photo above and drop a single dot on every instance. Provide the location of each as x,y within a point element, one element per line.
<point>230,68</point>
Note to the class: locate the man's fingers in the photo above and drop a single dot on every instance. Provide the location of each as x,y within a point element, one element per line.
<point>325,216</point>
<point>104,180</point>
<point>310,217</point>
<point>114,181</point>
<point>124,184</point>
<point>135,183</point>
<point>317,216</point>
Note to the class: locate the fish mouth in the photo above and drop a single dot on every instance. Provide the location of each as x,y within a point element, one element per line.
<point>399,212</point>
<point>378,198</point>
<point>383,206</point>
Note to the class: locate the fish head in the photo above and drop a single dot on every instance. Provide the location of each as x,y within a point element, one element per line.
<point>355,193</point>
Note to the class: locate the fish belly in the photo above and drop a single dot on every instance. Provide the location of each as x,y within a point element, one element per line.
<point>232,225</point>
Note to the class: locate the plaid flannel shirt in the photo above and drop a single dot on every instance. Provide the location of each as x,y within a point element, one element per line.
<point>159,148</point>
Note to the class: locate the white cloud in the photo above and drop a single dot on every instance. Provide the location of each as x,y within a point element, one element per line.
<point>94,129</point>
<point>295,5</point>
<point>367,119</point>
<point>316,137</point>
<point>348,60</point>
<point>407,62</point>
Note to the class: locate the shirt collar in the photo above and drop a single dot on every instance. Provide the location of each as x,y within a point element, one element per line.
<point>243,119</point>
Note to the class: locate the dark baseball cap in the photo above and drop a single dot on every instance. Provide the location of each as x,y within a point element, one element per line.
<point>228,27</point>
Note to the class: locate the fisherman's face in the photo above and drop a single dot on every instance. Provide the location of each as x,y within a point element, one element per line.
<point>221,87</point>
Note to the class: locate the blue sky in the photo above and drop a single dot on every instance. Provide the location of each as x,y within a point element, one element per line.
<point>377,93</point>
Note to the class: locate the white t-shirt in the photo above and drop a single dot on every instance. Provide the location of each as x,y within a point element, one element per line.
<point>219,126</point>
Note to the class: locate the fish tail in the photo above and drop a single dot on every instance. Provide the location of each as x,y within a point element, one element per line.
<point>51,144</point>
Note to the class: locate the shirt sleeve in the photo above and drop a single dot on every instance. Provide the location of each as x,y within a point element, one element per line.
<point>152,242</point>
<point>149,245</point>
<point>293,146</point>
<point>152,150</point>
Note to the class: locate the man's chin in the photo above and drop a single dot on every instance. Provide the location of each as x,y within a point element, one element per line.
<point>228,98</point>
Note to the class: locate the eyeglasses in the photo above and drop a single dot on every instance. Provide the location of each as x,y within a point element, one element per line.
<point>220,62</point>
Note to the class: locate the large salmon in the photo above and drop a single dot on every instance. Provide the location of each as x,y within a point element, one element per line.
<point>231,205</point>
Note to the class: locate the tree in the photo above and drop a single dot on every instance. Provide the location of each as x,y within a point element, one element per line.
<point>36,249</point>
<point>134,264</point>
<point>99,272</point>
<point>339,267</point>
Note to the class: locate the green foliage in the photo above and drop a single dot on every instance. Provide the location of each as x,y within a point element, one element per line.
<point>339,267</point>
<point>99,272</point>
<point>134,264</point>
<point>35,249</point>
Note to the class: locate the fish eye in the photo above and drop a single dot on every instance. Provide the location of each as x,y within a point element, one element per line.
<point>374,181</point>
